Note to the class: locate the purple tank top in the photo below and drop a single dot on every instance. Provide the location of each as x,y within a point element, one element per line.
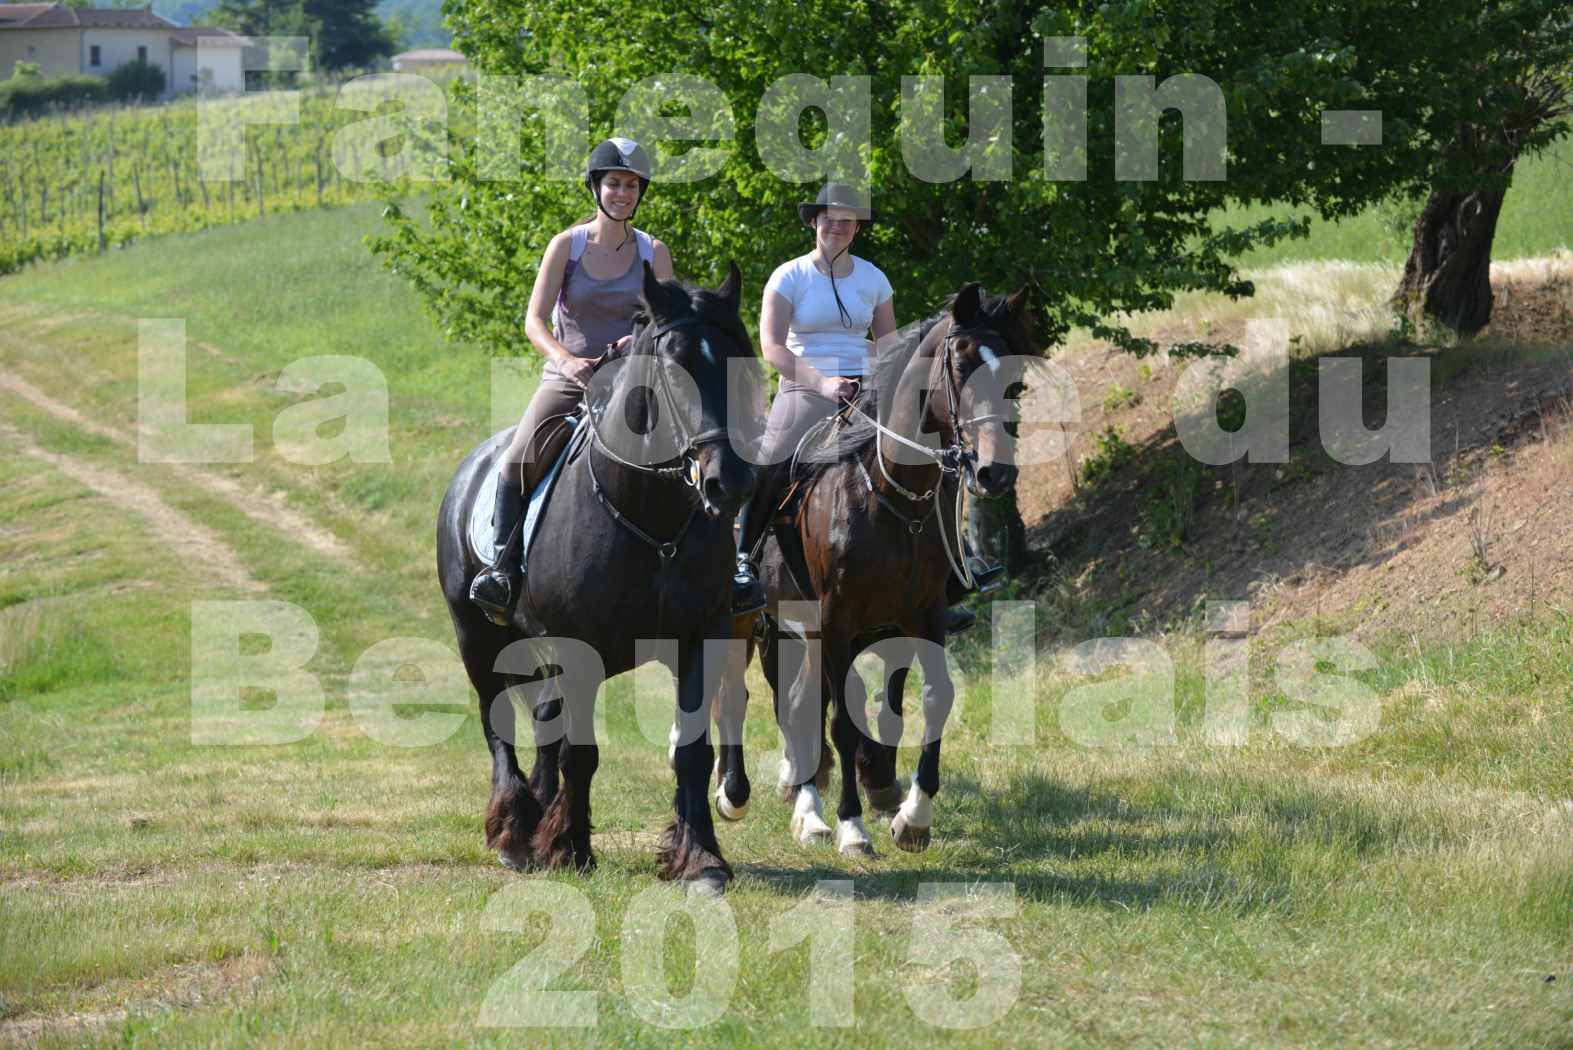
<point>592,312</point>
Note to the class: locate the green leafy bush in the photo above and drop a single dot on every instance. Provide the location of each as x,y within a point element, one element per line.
<point>137,81</point>
<point>1113,453</point>
<point>31,96</point>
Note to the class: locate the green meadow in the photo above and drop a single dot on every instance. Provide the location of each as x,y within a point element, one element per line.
<point>1536,220</point>
<point>1412,888</point>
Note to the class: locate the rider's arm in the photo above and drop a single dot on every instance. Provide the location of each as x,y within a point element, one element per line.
<point>543,297</point>
<point>661,259</point>
<point>884,319</point>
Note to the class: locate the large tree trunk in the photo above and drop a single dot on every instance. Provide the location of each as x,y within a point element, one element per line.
<point>1447,279</point>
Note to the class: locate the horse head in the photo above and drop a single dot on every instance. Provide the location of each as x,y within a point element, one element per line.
<point>978,370</point>
<point>690,362</point>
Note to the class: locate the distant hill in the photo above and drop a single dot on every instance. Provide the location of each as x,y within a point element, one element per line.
<point>424,16</point>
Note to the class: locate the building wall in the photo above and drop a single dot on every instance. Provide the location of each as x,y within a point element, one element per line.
<point>119,46</point>
<point>223,61</point>
<point>55,50</point>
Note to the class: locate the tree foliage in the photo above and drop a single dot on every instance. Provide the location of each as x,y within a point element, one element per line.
<point>1090,248</point>
<point>343,33</point>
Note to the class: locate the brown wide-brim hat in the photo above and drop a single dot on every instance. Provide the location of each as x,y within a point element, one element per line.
<point>837,195</point>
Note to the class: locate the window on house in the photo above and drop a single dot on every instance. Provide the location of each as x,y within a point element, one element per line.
<point>92,56</point>
<point>142,54</point>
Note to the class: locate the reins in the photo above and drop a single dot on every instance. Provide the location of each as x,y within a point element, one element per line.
<point>686,466</point>
<point>955,459</point>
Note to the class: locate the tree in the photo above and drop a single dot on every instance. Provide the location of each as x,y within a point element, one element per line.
<point>342,33</point>
<point>260,17</point>
<point>346,33</point>
<point>1522,72</point>
<point>1090,248</point>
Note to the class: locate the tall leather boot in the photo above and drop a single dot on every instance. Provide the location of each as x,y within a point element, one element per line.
<point>492,589</point>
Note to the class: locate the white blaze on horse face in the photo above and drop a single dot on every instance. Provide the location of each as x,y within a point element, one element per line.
<point>990,358</point>
<point>704,348</point>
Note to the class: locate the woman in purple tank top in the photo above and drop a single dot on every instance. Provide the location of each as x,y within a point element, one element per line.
<point>583,302</point>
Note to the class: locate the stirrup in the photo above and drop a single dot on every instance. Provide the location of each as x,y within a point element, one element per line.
<point>959,618</point>
<point>985,578</point>
<point>492,592</point>
<point>748,594</point>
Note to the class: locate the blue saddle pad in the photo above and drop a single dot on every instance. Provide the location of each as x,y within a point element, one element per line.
<point>481,531</point>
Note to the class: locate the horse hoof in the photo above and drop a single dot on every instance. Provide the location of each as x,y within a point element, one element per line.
<point>710,883</point>
<point>808,827</point>
<point>523,863</point>
<point>811,831</point>
<point>724,806</point>
<point>911,825</point>
<point>852,839</point>
<point>908,837</point>
<point>886,799</point>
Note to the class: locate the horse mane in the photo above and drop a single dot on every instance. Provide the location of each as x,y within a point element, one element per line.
<point>857,435</point>
<point>708,307</point>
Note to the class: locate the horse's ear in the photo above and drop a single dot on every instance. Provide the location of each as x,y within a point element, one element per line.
<point>731,290</point>
<point>967,304</point>
<point>1017,302</point>
<point>657,296</point>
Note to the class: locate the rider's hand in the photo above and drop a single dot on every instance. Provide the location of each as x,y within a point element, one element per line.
<point>577,370</point>
<point>621,344</point>
<point>838,388</point>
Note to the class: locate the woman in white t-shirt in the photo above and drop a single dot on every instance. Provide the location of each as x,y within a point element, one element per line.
<point>814,328</point>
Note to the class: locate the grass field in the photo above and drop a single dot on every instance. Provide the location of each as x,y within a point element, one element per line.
<point>1412,889</point>
<point>1536,220</point>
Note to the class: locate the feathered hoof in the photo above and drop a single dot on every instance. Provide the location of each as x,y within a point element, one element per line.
<point>520,862</point>
<point>711,882</point>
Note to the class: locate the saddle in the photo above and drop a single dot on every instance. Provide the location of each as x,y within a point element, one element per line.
<point>480,531</point>
<point>819,440</point>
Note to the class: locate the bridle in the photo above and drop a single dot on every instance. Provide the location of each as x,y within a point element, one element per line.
<point>685,465</point>
<point>957,459</point>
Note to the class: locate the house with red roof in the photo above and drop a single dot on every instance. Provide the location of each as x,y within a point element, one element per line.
<point>76,40</point>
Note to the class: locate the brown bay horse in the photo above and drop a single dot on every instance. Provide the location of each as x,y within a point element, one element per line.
<point>874,549</point>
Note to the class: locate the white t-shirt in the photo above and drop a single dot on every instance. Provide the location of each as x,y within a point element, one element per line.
<point>817,333</point>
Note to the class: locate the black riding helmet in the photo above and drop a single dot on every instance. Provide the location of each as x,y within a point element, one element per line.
<point>617,154</point>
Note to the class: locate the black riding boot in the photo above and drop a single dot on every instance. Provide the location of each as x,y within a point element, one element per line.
<point>748,594</point>
<point>492,588</point>
<point>985,579</point>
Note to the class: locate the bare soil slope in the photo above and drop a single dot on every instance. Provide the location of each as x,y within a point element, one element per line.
<point>1482,533</point>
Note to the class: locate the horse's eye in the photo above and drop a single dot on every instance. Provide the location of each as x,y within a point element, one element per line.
<point>1016,390</point>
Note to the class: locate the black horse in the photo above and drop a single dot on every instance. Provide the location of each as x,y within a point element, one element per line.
<point>624,552</point>
<point>876,546</point>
